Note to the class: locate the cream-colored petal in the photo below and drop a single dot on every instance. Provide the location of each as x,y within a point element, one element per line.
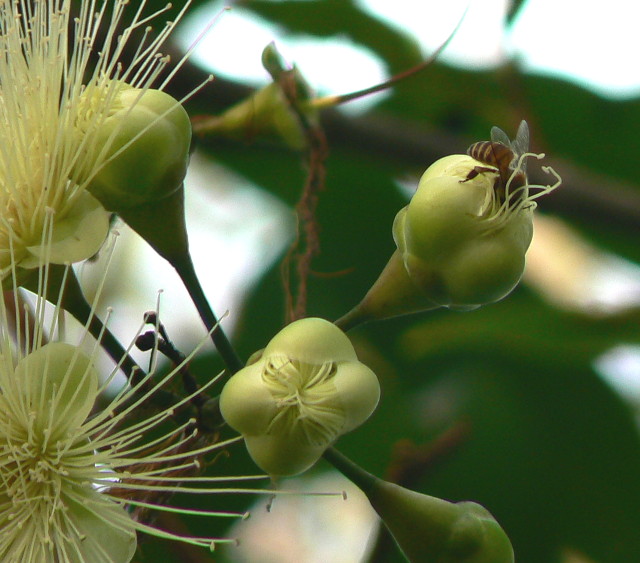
<point>246,403</point>
<point>283,455</point>
<point>358,391</point>
<point>76,236</point>
<point>108,531</point>
<point>59,384</point>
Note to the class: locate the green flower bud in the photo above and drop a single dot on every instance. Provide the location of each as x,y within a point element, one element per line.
<point>266,113</point>
<point>141,147</point>
<point>463,237</point>
<point>428,529</point>
<point>453,244</point>
<point>431,530</point>
<point>304,391</point>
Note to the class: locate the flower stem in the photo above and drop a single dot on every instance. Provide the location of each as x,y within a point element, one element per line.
<point>184,267</point>
<point>363,479</point>
<point>355,317</point>
<point>330,101</point>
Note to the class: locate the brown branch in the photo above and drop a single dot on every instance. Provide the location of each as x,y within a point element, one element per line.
<point>307,243</point>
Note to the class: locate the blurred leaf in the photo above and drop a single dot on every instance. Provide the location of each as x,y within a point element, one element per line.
<point>522,327</point>
<point>514,9</point>
<point>553,453</point>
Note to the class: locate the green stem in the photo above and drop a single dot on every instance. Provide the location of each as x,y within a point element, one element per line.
<point>356,317</point>
<point>187,273</point>
<point>330,101</point>
<point>363,479</point>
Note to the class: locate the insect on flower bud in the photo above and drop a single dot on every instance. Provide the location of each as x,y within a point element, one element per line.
<point>304,391</point>
<point>142,149</point>
<point>463,237</point>
<point>450,243</point>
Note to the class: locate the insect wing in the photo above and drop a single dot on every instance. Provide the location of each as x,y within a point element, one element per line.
<point>520,144</point>
<point>499,136</point>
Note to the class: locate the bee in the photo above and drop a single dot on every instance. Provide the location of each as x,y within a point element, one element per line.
<point>502,154</point>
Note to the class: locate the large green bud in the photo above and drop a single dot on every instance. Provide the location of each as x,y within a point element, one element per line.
<point>428,529</point>
<point>141,149</point>
<point>454,245</point>
<point>298,396</point>
<point>431,530</point>
<point>134,147</point>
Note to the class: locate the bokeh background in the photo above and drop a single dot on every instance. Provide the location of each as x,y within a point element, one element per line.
<point>529,406</point>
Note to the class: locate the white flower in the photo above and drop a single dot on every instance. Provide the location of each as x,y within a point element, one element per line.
<point>58,85</point>
<point>76,483</point>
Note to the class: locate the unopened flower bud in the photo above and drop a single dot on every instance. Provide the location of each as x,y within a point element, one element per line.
<point>428,529</point>
<point>453,245</point>
<point>135,160</point>
<point>268,112</point>
<point>142,149</point>
<point>431,530</point>
<point>463,237</point>
<point>304,391</point>
<point>265,114</point>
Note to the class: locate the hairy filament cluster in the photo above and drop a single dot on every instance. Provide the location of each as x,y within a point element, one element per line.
<point>517,196</point>
<point>76,483</point>
<point>60,79</point>
<point>303,394</point>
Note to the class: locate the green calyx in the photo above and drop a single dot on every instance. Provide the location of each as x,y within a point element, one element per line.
<point>141,149</point>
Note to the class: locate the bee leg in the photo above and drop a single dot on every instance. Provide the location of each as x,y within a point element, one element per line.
<point>477,170</point>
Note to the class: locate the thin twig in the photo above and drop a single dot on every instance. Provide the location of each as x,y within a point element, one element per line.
<point>307,243</point>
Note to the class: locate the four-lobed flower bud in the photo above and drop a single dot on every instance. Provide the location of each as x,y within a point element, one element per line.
<point>298,396</point>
